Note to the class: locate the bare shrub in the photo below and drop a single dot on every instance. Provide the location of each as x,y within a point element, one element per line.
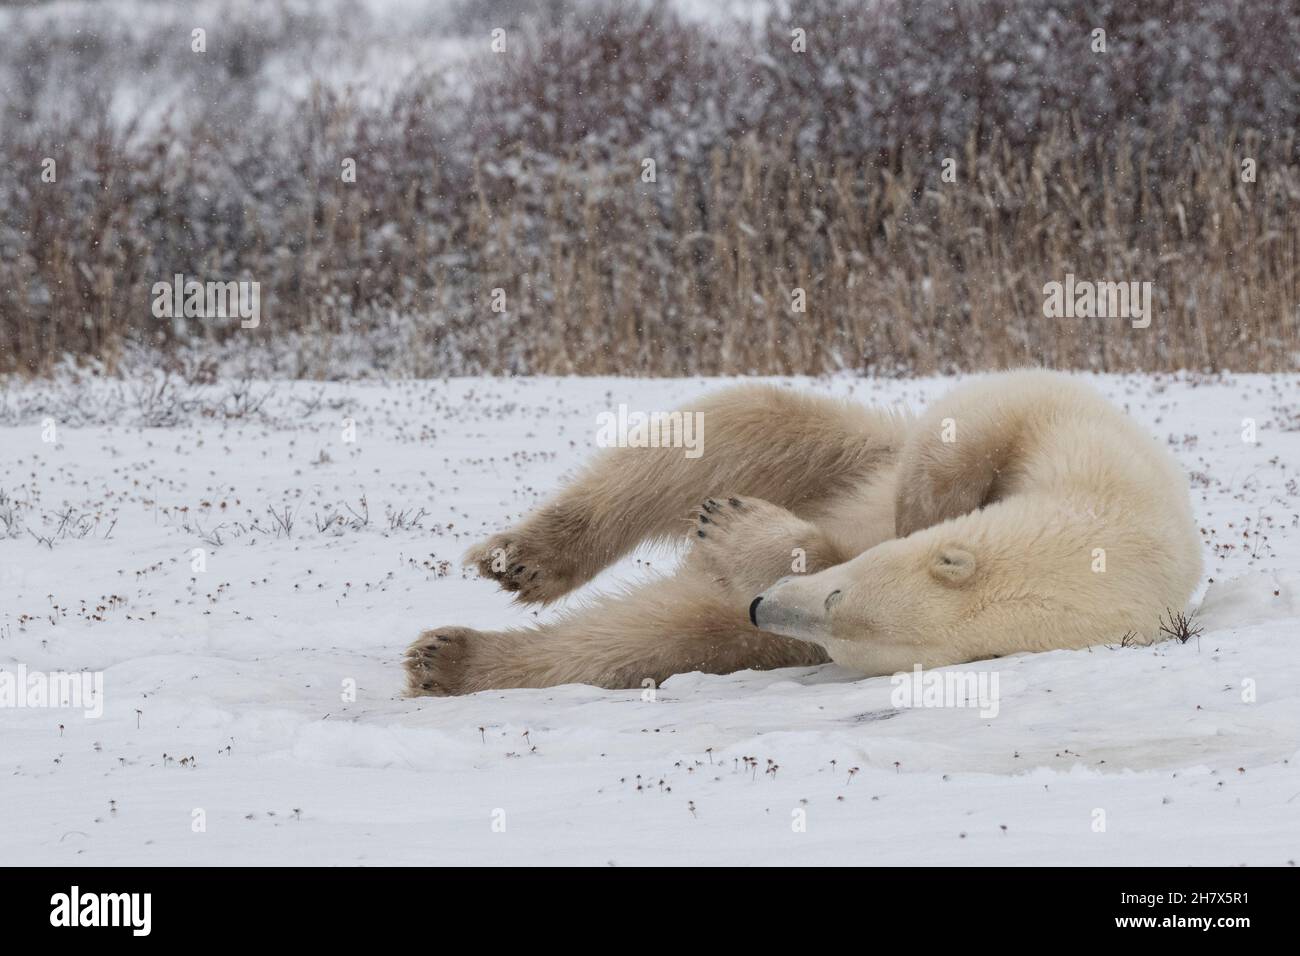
<point>776,171</point>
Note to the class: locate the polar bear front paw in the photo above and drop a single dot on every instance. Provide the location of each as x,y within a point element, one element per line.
<point>438,662</point>
<point>747,544</point>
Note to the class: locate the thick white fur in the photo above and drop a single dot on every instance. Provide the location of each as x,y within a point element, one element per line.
<point>1049,521</point>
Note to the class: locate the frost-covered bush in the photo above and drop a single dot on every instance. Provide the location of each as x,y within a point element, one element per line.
<point>936,74</point>
<point>522,179</point>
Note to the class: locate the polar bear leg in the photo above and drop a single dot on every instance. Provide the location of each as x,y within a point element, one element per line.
<point>636,640</point>
<point>796,451</point>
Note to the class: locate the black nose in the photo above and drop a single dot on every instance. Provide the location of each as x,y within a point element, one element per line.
<point>753,610</point>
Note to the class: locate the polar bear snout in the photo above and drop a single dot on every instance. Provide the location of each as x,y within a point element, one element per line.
<point>793,608</point>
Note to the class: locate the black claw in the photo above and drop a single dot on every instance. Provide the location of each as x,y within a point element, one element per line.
<point>735,502</point>
<point>518,569</point>
<point>533,575</point>
<point>704,519</point>
<point>701,534</point>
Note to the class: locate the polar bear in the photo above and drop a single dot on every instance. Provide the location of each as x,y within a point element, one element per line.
<point>1021,512</point>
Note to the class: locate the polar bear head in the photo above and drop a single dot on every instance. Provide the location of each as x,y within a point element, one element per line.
<point>888,608</point>
<point>1019,575</point>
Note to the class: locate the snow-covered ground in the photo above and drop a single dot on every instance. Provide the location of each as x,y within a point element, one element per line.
<point>229,734</point>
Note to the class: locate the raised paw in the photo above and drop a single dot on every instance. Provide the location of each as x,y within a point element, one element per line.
<point>540,561</point>
<point>717,516</point>
<point>438,662</point>
<point>746,544</point>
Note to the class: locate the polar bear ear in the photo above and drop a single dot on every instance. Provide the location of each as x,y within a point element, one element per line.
<point>953,565</point>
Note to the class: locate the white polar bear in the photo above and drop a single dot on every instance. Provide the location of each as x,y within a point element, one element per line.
<point>1048,520</point>
<point>1022,512</point>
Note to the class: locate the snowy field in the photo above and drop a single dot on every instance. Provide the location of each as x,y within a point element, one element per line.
<point>229,733</point>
